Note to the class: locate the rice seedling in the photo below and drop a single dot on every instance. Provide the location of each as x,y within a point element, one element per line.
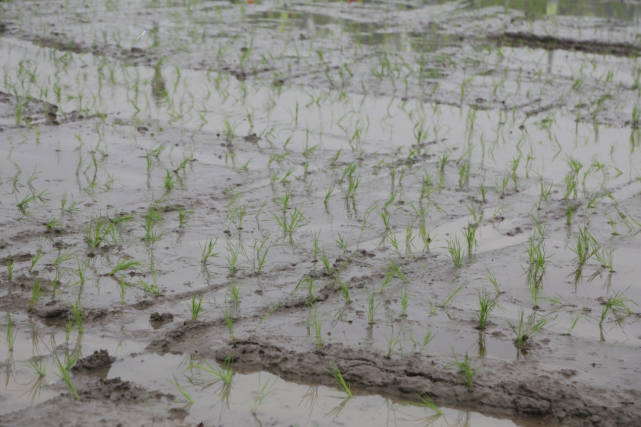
<point>429,336</point>
<point>11,264</point>
<point>465,370</point>
<point>315,323</point>
<point>470,236</point>
<point>151,218</point>
<point>39,254</point>
<point>340,242</point>
<point>36,294</point>
<point>263,392</point>
<point>617,303</point>
<point>329,193</point>
<point>425,236</point>
<point>78,314</point>
<point>404,301</point>
<point>392,343</point>
<point>397,268</point>
<point>344,289</point>
<point>39,367</point>
<point>334,159</point>
<point>486,305</point>
<point>426,401</point>
<point>41,197</point>
<point>260,255</point>
<point>432,307</point>
<point>182,218</point>
<point>229,322</point>
<point>483,193</point>
<point>537,261</point>
<point>340,381</point>
<point>272,308</point>
<point>328,267</point>
<point>224,374</point>
<point>296,220</point>
<point>284,201</point>
<point>392,240</point>
<point>64,375</point>
<point>385,217</point>
<point>232,257</point>
<point>526,330</point>
<point>492,279</point>
<point>409,238</point>
<point>544,193</point>
<point>53,225</point>
<point>149,288</point>
<point>182,391</point>
<point>98,230</point>
<point>63,257</point>
<point>195,306</point>
<point>311,291</point>
<point>534,293</point>
<point>10,334</point>
<point>452,295</point>
<point>387,280</point>
<point>316,236</point>
<point>370,308</point>
<point>464,172</point>
<point>570,210</point>
<point>124,264</point>
<point>68,329</point>
<point>55,288</point>
<point>170,180</point>
<point>208,250</point>
<point>442,162</point>
<point>605,256</point>
<point>541,227</point>
<point>456,252</point>
<point>353,187</point>
<point>573,322</point>
<point>122,288</point>
<point>233,293</point>
<point>584,248</point>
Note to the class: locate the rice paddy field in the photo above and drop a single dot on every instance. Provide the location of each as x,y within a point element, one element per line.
<point>320,213</point>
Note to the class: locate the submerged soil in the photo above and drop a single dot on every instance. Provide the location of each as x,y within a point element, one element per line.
<point>282,188</point>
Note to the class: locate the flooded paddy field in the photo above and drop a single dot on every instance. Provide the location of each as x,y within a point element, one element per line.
<point>320,213</point>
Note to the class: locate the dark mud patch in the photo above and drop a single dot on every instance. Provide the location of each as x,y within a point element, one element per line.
<point>161,317</point>
<point>32,110</point>
<point>547,42</point>
<point>499,387</point>
<point>53,310</point>
<point>98,360</point>
<point>19,257</point>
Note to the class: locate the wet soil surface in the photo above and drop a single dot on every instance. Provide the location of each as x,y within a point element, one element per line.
<point>209,207</point>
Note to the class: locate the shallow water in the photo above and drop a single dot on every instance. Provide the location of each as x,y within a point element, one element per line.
<point>406,94</point>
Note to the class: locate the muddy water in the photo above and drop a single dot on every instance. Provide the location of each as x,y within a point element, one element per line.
<point>394,99</point>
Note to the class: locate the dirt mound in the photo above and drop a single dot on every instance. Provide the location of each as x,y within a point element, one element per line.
<point>98,360</point>
<point>161,317</point>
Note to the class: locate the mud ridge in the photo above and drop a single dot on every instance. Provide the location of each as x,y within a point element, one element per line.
<point>499,387</point>
<point>521,39</point>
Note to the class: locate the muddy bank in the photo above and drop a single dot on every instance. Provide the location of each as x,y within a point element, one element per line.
<point>560,396</point>
<point>534,41</point>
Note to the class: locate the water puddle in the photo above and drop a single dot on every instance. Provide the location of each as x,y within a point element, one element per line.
<point>283,402</point>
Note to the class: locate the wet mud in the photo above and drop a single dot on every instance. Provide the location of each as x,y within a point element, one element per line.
<point>529,40</point>
<point>210,210</point>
